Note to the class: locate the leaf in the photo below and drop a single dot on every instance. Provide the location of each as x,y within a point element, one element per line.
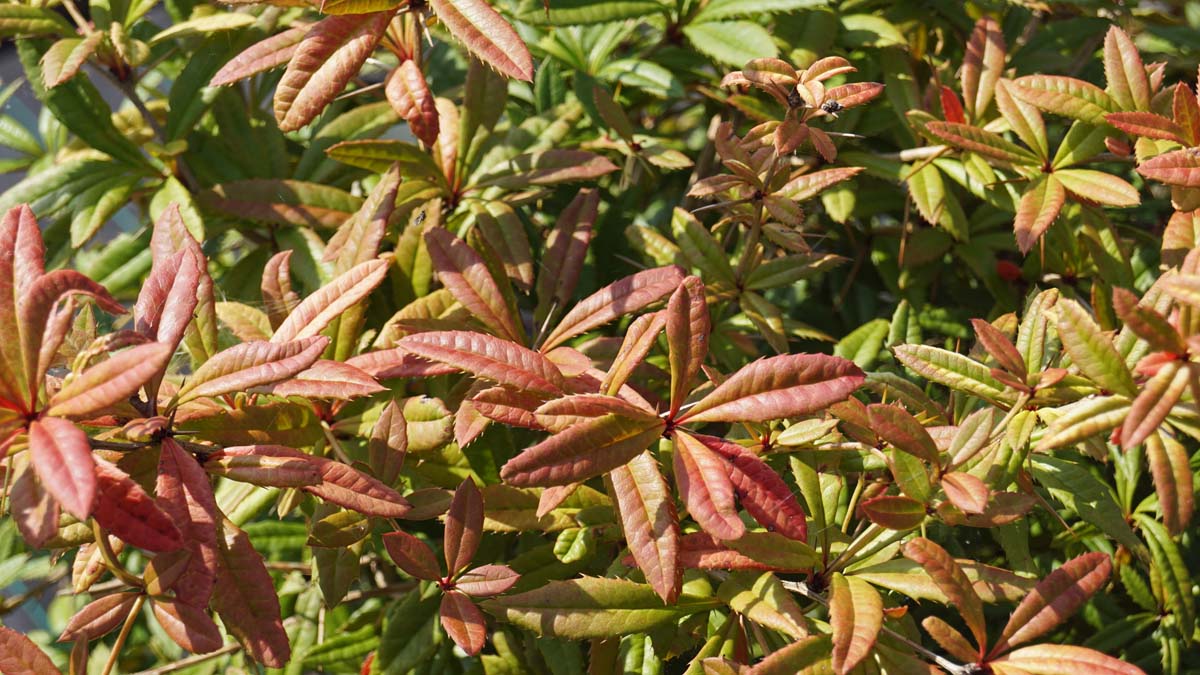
<point>64,59</point>
<point>465,274</point>
<point>464,526</point>
<point>28,21</point>
<point>62,456</point>
<point>1092,351</point>
<point>1146,323</point>
<point>463,622</point>
<point>646,509</point>
<point>487,35</point>
<point>412,555</point>
<point>688,325</point>
<point>501,361</point>
<point>1055,599</point>
<point>185,494</point>
<point>358,6</point>
<point>1086,495</point>
<point>808,656</point>
<point>252,364</point>
<point>331,53</point>
<point>487,580</point>
<point>952,370</point>
<point>388,444</point>
<point>589,607</point>
<point>704,484</point>
<point>624,296</point>
<point>318,310</point>
<point>263,470</point>
<point>410,97</point>
<point>98,618</point>
<point>1051,659</point>
<point>966,492</point>
<point>1179,167</point>
<point>640,337</point>
<point>124,509</point>
<point>950,578</point>
<point>894,512</point>
<point>203,25</point>
<point>340,484</point>
<point>983,65</point>
<point>902,431</point>
<point>764,600</point>
<point>1099,187</point>
<point>1065,96</point>
<point>585,450</point>
<point>856,615</point>
<point>974,139</point>
<point>1148,125</point>
<point>1186,109</point>
<point>111,381</point>
<point>732,43</point>
<point>760,490</point>
<point>1171,568</point>
<point>260,57</point>
<point>189,626</point>
<point>546,167</point>
<point>326,380</point>
<point>1173,481</point>
<point>564,253</point>
<point>36,304</point>
<point>18,654</point>
<point>1084,419</point>
<point>778,387</point>
<point>1124,72</point>
<point>245,599</point>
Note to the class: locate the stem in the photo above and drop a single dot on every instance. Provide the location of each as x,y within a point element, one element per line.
<point>124,635</point>
<point>858,490</point>
<point>191,661</point>
<point>333,443</point>
<point>110,557</point>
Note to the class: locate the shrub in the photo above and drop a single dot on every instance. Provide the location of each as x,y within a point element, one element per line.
<point>783,336</point>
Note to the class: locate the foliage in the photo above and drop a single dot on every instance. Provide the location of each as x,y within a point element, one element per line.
<point>709,336</point>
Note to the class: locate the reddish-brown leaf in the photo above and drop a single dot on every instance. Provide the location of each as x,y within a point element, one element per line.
<point>760,490</point>
<point>950,639</point>
<point>263,470</point>
<point>622,297</point>
<point>1037,210</point>
<point>1147,323</point>
<point>1055,599</point>
<point>316,311</point>
<point>688,325</point>
<point>388,444</point>
<point>895,512</point>
<point>585,450</point>
<point>506,406</point>
<point>562,260</point>
<point>124,509</point>
<point>168,298</point>
<point>330,54</point>
<point>326,379</point>
<point>397,362</point>
<point>980,141</point>
<point>982,65</point>
<point>952,581</point>
<point>704,484</point>
<point>1154,402</point>
<point>260,57</point>
<point>778,387</point>
<point>699,550</point>
<point>1170,467</point>
<point>639,339</point>
<point>340,484</point>
<point>19,656</point>
<point>62,456</point>
<point>245,599</point>
<point>252,364</point>
<point>999,346</point>
<point>465,274</point>
<point>1149,125</point>
<point>487,35</point>
<point>98,617</point>
<point>1179,167</point>
<point>463,622</point>
<point>491,358</point>
<point>560,414</point>
<point>111,381</point>
<point>33,509</point>
<point>412,555</point>
<point>902,431</point>
<point>189,626</point>
<point>169,236</point>
<point>1128,83</point>
<point>1052,659</point>
<point>464,526</point>
<point>856,616</point>
<point>276,287</point>
<point>1186,109</point>
<point>22,261</point>
<point>487,580</point>
<point>647,512</point>
<point>185,494</point>
<point>966,492</point>
<point>410,97</point>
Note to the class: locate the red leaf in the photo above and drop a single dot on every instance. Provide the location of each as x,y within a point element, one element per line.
<point>1054,600</point>
<point>251,364</point>
<point>99,617</point>
<point>464,525</point>
<point>328,380</point>
<point>189,626</point>
<point>34,510</point>
<point>463,622</point>
<point>487,580</point>
<point>397,362</point>
<point>1171,469</point>
<point>1149,125</point>
<point>388,443</point>
<point>952,581</point>
<point>624,296</point>
<point>505,406</point>
<point>688,325</point>
<point>263,470</point>
<point>245,599</point>
<point>490,358</point>
<point>1186,109</point>
<point>62,456</point>
<point>1065,660</point>
<point>316,311</point>
<point>854,93</point>
<point>167,299</point>
<point>185,494</point>
<point>330,54</point>
<point>560,414</point>
<point>647,512</point>
<point>760,490</point>
<point>640,338</point>
<point>966,492</point>
<point>999,346</point>
<point>260,57</point>
<point>1179,167</point>
<point>778,387</point>
<point>902,431</point>
<point>585,450</point>
<point>699,550</point>
<point>465,274</point>
<point>704,484</point>
<point>22,261</point>
<point>410,97</point>
<point>340,484</point>
<point>487,35</point>
<point>952,109</point>
<point>111,381</point>
<point>171,235</point>
<point>124,509</point>
<point>412,555</point>
<point>19,656</point>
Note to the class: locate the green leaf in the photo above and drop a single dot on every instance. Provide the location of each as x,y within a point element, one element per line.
<point>1098,186</point>
<point>1173,574</point>
<point>1077,489</point>
<point>1065,96</point>
<point>205,25</point>
<point>764,600</point>
<point>358,6</point>
<point>700,249</point>
<point>952,370</point>
<point>732,43</point>
<point>584,12</point>
<point>864,344</point>
<point>1091,350</point>
<point>27,21</point>
<point>974,139</point>
<point>728,9</point>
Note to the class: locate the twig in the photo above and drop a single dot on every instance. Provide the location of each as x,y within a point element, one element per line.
<point>124,635</point>
<point>191,661</point>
